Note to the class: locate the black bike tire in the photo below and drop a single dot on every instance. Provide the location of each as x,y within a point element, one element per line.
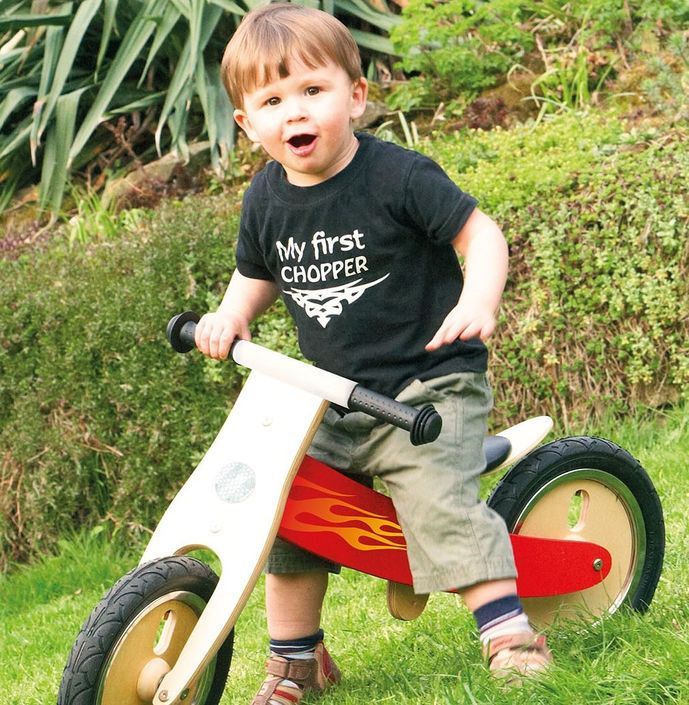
<point>541,467</point>
<point>119,607</point>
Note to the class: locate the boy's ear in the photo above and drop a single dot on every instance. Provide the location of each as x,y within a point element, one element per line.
<point>359,95</point>
<point>242,119</point>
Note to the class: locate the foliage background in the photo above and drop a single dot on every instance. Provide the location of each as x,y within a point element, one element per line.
<point>100,421</point>
<point>559,53</point>
<point>597,217</point>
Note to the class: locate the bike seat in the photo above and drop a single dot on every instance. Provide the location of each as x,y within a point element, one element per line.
<point>496,450</point>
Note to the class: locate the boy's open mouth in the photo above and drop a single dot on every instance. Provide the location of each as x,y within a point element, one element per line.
<point>299,141</point>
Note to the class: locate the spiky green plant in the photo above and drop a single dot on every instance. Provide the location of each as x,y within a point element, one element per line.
<point>69,69</point>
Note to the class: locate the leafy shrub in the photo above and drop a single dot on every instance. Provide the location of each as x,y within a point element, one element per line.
<point>99,420</point>
<point>458,48</point>
<point>667,83</point>
<point>596,313</point>
<point>511,169</point>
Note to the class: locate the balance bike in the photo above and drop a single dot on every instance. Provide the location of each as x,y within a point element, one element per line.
<point>585,522</point>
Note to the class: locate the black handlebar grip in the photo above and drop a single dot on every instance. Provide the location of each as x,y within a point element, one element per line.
<point>424,424</point>
<point>180,331</point>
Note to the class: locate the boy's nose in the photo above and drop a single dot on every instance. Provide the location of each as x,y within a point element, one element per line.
<point>295,109</point>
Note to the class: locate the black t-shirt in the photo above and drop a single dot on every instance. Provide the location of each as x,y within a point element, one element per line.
<point>365,263</point>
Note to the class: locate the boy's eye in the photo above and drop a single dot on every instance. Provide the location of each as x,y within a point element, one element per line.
<point>313,90</point>
<point>274,100</point>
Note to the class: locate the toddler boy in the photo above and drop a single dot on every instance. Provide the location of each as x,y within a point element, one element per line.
<point>360,237</point>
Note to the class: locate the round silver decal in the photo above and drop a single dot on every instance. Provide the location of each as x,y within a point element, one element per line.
<point>235,482</point>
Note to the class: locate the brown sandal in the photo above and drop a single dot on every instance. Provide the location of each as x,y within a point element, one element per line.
<point>516,656</point>
<point>314,674</point>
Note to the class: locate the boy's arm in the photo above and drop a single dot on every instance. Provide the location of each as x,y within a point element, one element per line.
<point>483,247</point>
<point>244,300</point>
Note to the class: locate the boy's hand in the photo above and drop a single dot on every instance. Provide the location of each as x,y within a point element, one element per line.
<point>483,247</point>
<point>216,332</point>
<point>244,299</point>
<point>464,322</point>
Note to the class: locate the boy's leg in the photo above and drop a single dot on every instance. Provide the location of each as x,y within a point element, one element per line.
<point>296,583</point>
<point>476,596</point>
<point>298,659</point>
<point>294,603</point>
<point>454,540</point>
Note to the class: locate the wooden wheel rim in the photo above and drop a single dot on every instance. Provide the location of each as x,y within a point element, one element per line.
<point>609,515</point>
<point>158,631</point>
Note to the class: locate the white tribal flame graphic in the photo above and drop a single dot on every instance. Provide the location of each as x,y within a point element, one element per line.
<point>323,304</point>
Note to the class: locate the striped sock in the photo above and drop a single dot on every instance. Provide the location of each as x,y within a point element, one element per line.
<point>502,616</point>
<point>296,649</point>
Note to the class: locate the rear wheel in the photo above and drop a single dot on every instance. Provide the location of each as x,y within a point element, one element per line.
<point>588,489</point>
<point>134,636</point>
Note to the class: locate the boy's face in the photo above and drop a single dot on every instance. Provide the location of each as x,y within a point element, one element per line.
<point>303,121</point>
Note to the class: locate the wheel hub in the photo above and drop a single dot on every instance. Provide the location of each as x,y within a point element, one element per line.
<point>150,677</point>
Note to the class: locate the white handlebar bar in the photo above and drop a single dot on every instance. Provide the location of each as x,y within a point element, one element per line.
<point>314,380</point>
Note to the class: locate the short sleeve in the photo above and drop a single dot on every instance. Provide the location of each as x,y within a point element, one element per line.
<point>250,260</point>
<point>435,203</point>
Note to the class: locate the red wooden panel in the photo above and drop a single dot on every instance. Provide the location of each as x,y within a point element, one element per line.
<point>341,520</point>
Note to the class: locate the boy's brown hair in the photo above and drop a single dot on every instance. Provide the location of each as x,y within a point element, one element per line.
<point>272,36</point>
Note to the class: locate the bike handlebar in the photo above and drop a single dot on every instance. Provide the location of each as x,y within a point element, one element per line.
<point>423,424</point>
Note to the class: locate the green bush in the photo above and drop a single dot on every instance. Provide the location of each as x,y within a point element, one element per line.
<point>99,420</point>
<point>456,49</point>
<point>98,417</point>
<point>596,313</point>
<point>510,169</point>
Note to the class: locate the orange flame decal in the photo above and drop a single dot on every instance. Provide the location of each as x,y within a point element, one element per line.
<point>331,512</point>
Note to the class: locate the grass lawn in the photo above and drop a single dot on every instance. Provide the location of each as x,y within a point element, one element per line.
<point>626,658</point>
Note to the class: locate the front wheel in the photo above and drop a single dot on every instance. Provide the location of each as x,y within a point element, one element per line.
<point>134,636</point>
<point>588,489</point>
